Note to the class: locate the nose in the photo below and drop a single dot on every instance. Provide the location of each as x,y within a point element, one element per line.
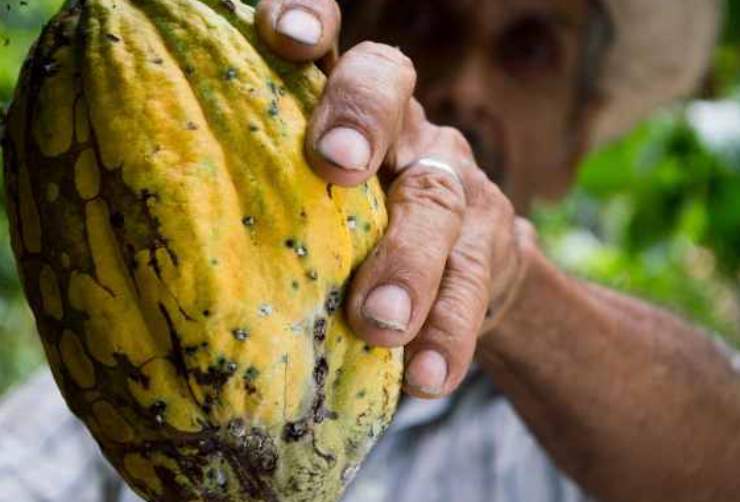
<point>466,101</point>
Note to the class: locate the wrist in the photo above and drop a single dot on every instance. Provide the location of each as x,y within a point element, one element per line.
<point>535,302</point>
<point>527,254</point>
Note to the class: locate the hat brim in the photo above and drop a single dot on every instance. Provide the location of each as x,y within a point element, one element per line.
<point>660,52</point>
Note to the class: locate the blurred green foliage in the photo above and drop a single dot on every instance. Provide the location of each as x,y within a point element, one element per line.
<point>656,214</point>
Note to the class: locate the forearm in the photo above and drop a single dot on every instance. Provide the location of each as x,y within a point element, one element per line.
<point>630,401</point>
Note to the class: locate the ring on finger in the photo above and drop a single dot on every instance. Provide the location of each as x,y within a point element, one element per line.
<point>436,163</point>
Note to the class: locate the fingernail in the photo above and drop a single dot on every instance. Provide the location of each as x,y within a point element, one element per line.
<point>300,25</point>
<point>389,307</point>
<point>346,147</point>
<point>427,372</point>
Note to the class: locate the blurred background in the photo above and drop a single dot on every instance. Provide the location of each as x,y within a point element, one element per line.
<point>656,214</point>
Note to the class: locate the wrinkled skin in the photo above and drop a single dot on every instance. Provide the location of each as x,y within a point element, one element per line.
<point>611,386</point>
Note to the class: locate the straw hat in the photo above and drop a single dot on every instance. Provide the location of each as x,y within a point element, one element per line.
<point>660,52</point>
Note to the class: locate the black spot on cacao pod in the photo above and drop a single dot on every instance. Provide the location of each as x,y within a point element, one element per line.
<point>112,37</point>
<point>50,68</point>
<point>320,370</point>
<point>260,451</point>
<point>319,330</point>
<point>237,428</point>
<point>217,375</point>
<point>273,109</point>
<point>157,409</point>
<point>294,431</point>
<point>117,219</point>
<point>333,300</point>
<point>229,5</point>
<point>248,221</point>
<point>240,334</point>
<point>251,374</point>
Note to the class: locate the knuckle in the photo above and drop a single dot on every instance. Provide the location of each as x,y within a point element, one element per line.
<point>430,188</point>
<point>456,140</point>
<point>470,269</point>
<point>484,193</point>
<point>454,322</point>
<point>386,56</point>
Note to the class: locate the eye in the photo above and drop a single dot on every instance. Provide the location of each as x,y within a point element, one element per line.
<point>529,48</point>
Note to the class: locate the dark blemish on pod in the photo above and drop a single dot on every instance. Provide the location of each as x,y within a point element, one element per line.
<point>206,313</point>
<point>237,428</point>
<point>295,285</point>
<point>361,394</point>
<point>217,375</point>
<point>117,219</point>
<point>249,377</point>
<point>112,37</point>
<point>134,374</point>
<point>351,222</point>
<point>261,453</point>
<point>312,275</point>
<point>294,431</point>
<point>273,110</point>
<point>50,68</point>
<point>240,334</point>
<point>265,310</point>
<point>214,262</point>
<point>191,126</point>
<point>319,330</point>
<point>289,243</point>
<point>230,74</point>
<point>320,370</point>
<point>157,409</point>
<point>248,221</point>
<point>367,348</point>
<point>301,251</point>
<point>284,359</point>
<point>333,301</point>
<point>328,190</point>
<point>217,475</point>
<point>367,227</point>
<point>253,128</point>
<point>207,406</point>
<point>146,195</point>
<point>190,350</point>
<point>229,5</point>
<point>273,88</point>
<point>189,70</point>
<point>251,373</point>
<point>158,60</point>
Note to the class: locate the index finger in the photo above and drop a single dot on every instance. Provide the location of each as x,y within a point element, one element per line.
<point>299,30</point>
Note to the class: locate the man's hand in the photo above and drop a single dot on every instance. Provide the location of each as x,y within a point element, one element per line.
<point>451,249</point>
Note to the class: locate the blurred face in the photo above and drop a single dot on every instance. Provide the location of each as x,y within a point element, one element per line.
<point>505,72</point>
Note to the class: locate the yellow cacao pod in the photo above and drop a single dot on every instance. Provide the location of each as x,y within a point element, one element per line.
<point>184,264</point>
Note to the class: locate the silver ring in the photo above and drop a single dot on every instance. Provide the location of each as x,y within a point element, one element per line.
<point>437,164</point>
